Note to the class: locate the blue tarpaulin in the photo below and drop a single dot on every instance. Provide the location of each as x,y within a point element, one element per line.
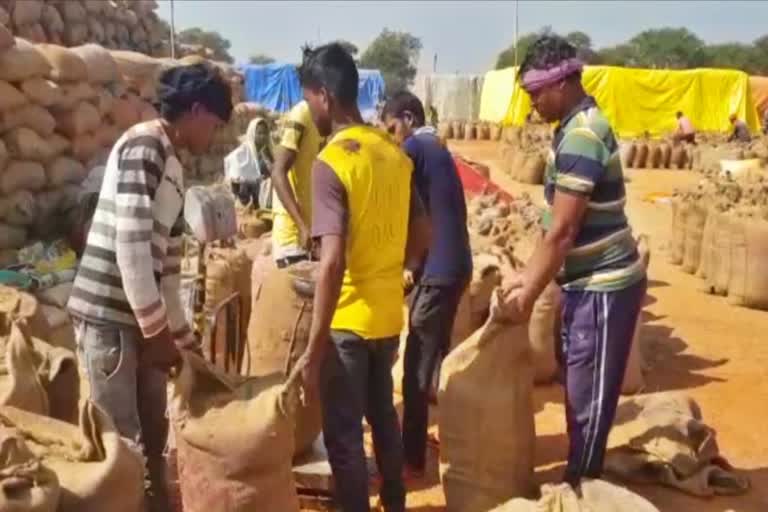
<point>276,86</point>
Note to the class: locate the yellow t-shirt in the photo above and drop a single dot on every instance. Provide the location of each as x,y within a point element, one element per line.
<point>376,176</point>
<point>300,135</point>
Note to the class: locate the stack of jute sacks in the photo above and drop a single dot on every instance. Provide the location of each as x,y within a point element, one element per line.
<point>720,234</point>
<point>524,152</point>
<point>644,154</point>
<point>114,24</point>
<point>56,114</point>
<point>706,156</point>
<point>468,130</point>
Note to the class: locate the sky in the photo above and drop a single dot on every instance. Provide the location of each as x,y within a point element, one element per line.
<point>466,35</point>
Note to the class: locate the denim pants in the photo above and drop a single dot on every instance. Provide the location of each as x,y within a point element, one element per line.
<point>356,382</point>
<point>431,316</point>
<point>133,396</point>
<point>597,337</point>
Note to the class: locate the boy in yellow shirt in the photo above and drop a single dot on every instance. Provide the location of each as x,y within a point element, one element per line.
<point>365,213</point>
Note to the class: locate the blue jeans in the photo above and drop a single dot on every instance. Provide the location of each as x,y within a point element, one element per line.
<point>356,382</point>
<point>133,396</point>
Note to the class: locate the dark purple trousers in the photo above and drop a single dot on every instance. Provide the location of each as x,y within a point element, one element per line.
<point>596,337</point>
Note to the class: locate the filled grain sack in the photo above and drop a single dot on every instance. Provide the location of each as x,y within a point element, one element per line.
<point>723,268</point>
<point>532,170</point>
<point>25,144</point>
<point>234,438</point>
<point>51,20</point>
<point>107,134</point>
<point>6,36</point>
<point>457,127</point>
<point>96,30</point>
<point>627,150</point>
<point>63,63</point>
<point>10,97</point>
<point>444,130</point>
<point>543,332</point>
<point>126,111</point>
<point>469,131</point>
<point>22,175</point>
<point>35,376</point>
<point>73,93</point>
<point>641,158</point>
<point>105,100</point>
<point>680,210</point>
<point>83,118</point>
<point>33,33</point>
<point>26,12</point>
<point>21,208</point>
<point>706,261</point>
<point>679,157</point>
<point>666,156</point>
<point>100,65</point>
<point>654,156</point>
<point>3,154</point>
<point>694,234</point>
<point>591,496</point>
<point>748,285</point>
<point>41,91</point>
<point>72,12</point>
<point>662,438</point>
<point>487,451</point>
<point>63,170</point>
<point>59,144</point>
<point>31,116</point>
<point>12,237</point>
<point>85,147</point>
<point>26,485</point>
<point>94,7</point>
<point>22,61</point>
<point>278,332</point>
<point>94,465</point>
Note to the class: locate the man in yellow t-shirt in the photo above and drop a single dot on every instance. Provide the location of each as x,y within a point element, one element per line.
<point>368,220</point>
<point>292,182</point>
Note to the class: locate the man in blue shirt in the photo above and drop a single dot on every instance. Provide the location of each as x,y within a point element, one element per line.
<point>439,281</point>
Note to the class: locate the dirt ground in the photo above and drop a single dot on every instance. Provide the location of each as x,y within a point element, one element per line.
<point>694,343</point>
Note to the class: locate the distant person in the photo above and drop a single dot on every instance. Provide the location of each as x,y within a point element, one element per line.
<point>685,130</point>
<point>440,279</point>
<point>292,182</point>
<point>368,221</point>
<point>587,247</point>
<point>740,130</point>
<point>249,166</point>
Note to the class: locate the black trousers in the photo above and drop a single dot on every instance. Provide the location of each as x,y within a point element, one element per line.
<point>432,312</point>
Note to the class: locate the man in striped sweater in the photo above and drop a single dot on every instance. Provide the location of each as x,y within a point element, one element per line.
<point>587,246</point>
<point>125,299</point>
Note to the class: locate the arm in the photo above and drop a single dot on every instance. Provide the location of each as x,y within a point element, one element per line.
<point>419,233</point>
<point>170,284</point>
<point>140,171</point>
<point>283,163</point>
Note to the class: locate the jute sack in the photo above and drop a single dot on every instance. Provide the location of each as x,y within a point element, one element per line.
<point>592,496</point>
<point>666,156</point>
<point>63,63</point>
<point>532,170</point>
<point>63,170</point>
<point>278,333</point>
<point>234,439</point>
<point>724,262</point>
<point>85,147</point>
<point>654,156</point>
<point>25,144</point>
<point>72,12</point>
<point>679,157</point>
<point>30,116</point>
<point>634,378</point>
<point>469,131</point>
<point>458,129</point>
<point>706,260</point>
<point>105,100</point>
<point>543,332</point>
<point>444,130</point>
<point>51,20</point>
<point>12,237</point>
<point>22,61</point>
<point>627,150</point>
<point>26,485</point>
<point>126,111</point>
<point>84,118</point>
<point>73,93</point>
<point>694,234</point>
<point>59,144</point>
<point>3,156</point>
<point>486,275</point>
<point>107,134</point>
<point>677,241</point>
<point>10,97</point>
<point>748,285</point>
<point>26,12</point>
<point>495,131</point>
<point>487,451</point>
<point>33,33</point>
<point>641,158</point>
<point>22,175</point>
<point>41,91</point>
<point>94,465</point>
<point>100,65</point>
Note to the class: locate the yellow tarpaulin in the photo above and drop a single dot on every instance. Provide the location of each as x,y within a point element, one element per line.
<point>646,100</point>
<point>498,87</point>
<point>759,87</point>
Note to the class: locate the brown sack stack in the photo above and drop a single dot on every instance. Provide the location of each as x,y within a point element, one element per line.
<point>487,451</point>
<point>235,439</point>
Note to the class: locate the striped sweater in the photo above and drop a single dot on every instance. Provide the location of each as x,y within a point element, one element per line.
<point>130,271</point>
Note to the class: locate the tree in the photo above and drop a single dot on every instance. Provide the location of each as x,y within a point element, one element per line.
<point>395,54</point>
<point>668,48</point>
<point>260,59</point>
<point>213,40</point>
<point>733,56</point>
<point>583,44</point>
<point>620,55</point>
<point>506,58</point>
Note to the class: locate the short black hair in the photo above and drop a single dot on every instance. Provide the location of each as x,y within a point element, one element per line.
<point>180,87</point>
<point>403,101</point>
<point>547,52</point>
<point>679,114</point>
<point>332,67</point>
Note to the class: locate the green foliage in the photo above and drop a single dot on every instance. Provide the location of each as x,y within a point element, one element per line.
<point>395,54</point>
<point>213,40</point>
<point>734,56</point>
<point>668,48</point>
<point>260,59</point>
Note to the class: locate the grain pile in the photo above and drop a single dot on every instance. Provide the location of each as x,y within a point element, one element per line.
<point>524,152</point>
<point>115,24</point>
<point>57,116</point>
<point>720,234</point>
<point>468,130</point>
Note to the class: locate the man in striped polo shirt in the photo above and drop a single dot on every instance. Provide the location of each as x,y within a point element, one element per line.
<point>587,246</point>
<point>125,299</point>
